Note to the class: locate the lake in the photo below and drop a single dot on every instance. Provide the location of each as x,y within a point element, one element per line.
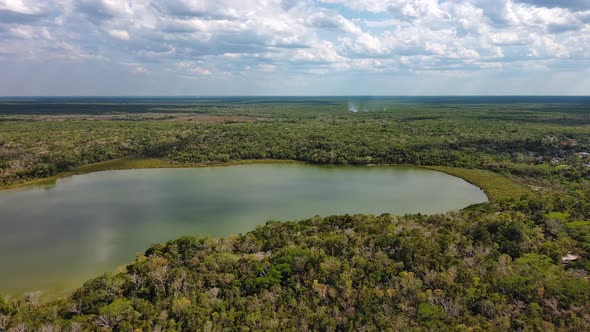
<point>54,238</point>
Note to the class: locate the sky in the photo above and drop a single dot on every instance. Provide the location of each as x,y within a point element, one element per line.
<point>289,47</point>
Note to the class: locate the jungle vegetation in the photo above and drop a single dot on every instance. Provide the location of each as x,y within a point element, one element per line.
<point>498,266</point>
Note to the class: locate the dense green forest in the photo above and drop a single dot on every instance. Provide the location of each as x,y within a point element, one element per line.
<point>520,262</point>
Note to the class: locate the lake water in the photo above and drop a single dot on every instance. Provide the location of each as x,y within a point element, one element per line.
<point>54,238</point>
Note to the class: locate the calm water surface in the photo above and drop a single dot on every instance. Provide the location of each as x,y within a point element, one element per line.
<point>54,238</point>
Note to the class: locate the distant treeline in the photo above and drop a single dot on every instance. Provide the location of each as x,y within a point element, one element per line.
<point>540,145</point>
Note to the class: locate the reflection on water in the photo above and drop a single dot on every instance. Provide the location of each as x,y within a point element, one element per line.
<point>54,238</point>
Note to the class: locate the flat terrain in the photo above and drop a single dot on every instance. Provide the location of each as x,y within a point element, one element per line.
<point>541,144</point>
<point>496,186</point>
<point>519,262</point>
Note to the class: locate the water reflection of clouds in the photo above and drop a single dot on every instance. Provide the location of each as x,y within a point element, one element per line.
<point>104,243</point>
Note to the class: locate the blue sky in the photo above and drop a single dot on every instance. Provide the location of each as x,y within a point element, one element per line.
<point>289,47</point>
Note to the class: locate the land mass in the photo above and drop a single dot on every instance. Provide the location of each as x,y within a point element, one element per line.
<point>520,262</point>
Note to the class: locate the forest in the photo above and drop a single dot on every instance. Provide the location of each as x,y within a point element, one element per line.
<point>538,142</point>
<point>520,262</point>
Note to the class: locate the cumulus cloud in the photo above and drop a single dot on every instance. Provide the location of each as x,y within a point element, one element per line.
<point>25,11</point>
<point>26,7</point>
<point>99,10</point>
<point>119,34</point>
<point>224,38</point>
<point>330,20</point>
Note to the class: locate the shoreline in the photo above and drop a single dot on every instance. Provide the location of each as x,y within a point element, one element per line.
<point>484,180</point>
<point>495,186</point>
<point>129,163</point>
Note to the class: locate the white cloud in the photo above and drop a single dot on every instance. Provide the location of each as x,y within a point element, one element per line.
<point>200,71</point>
<point>27,7</point>
<point>329,20</point>
<point>210,38</point>
<point>138,70</point>
<point>119,34</point>
<point>508,38</point>
<point>323,51</point>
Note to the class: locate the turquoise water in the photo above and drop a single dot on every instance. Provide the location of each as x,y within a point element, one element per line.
<point>54,238</point>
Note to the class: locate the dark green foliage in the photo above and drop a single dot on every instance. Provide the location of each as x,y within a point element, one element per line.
<point>5,308</point>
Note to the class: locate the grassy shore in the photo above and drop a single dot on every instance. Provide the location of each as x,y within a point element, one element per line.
<point>495,186</point>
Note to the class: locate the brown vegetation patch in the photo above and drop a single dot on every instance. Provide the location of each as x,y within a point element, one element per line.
<point>212,118</point>
<point>180,117</point>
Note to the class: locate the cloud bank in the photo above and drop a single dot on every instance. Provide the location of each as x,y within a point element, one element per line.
<point>196,47</point>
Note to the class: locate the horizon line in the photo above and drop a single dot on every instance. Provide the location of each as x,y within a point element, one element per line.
<point>294,95</point>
